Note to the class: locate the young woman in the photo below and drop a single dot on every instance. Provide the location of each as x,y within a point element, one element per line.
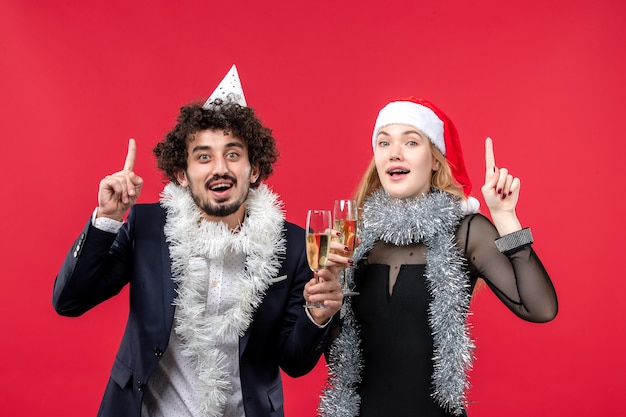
<point>404,347</point>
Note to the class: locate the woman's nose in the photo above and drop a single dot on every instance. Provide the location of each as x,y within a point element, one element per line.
<point>395,152</point>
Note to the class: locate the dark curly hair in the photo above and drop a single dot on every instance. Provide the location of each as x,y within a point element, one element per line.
<point>240,121</point>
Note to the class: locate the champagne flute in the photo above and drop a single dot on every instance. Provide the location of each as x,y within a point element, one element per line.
<point>318,228</point>
<point>345,214</point>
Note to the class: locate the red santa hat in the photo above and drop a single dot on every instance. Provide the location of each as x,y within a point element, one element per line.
<point>430,120</point>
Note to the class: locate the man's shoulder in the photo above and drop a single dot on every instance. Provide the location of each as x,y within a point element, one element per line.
<point>292,228</point>
<point>148,213</point>
<point>293,234</point>
<point>148,208</point>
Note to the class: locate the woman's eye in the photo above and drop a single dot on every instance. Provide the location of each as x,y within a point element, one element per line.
<point>412,143</point>
<point>383,143</point>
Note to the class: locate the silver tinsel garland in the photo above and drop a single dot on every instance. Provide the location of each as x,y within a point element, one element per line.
<point>193,244</point>
<point>433,220</point>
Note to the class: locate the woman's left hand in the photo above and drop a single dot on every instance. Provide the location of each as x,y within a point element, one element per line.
<point>501,189</point>
<point>501,193</point>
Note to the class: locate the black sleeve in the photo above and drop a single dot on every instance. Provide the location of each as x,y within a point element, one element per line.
<point>97,267</point>
<point>302,341</point>
<point>518,279</point>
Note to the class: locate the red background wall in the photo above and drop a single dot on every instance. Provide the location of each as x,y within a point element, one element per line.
<point>544,78</point>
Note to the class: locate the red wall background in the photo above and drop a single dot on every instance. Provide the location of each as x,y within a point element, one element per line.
<point>544,78</point>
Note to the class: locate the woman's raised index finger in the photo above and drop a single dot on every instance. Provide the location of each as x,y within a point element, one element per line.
<point>129,164</point>
<point>490,159</point>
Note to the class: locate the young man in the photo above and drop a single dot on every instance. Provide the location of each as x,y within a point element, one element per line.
<point>216,274</point>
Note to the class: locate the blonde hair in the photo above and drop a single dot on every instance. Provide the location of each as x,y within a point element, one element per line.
<point>441,179</point>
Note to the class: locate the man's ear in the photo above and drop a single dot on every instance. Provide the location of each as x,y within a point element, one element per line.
<point>254,174</point>
<point>181,177</point>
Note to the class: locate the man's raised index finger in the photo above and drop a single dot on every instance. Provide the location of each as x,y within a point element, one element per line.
<point>129,164</point>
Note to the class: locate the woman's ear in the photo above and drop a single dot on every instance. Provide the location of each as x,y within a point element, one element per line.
<point>181,177</point>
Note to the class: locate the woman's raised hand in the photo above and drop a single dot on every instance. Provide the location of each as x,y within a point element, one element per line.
<point>501,189</point>
<point>501,193</point>
<point>119,191</point>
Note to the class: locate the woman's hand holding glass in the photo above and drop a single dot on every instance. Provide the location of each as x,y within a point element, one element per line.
<point>345,217</point>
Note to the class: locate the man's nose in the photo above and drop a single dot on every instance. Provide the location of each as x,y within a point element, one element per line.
<point>220,167</point>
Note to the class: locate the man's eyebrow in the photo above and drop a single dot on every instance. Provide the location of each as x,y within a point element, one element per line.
<point>234,145</point>
<point>200,148</point>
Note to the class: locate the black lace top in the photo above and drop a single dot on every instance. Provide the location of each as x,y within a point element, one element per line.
<point>392,311</point>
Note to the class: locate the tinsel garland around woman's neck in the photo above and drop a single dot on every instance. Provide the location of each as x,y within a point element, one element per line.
<point>405,221</point>
<point>431,219</point>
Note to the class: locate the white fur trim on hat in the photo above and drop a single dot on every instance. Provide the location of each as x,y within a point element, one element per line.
<point>408,113</point>
<point>228,90</point>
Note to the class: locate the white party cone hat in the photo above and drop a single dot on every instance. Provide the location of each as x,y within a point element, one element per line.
<point>228,90</point>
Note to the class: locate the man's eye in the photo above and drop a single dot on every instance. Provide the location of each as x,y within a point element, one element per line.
<point>232,155</point>
<point>203,157</point>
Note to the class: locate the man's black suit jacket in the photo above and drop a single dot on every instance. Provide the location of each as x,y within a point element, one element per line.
<point>100,264</point>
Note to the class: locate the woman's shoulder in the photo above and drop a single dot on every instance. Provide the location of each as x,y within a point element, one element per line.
<point>475,218</point>
<point>475,226</point>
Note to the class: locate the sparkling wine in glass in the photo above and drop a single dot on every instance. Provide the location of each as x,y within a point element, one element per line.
<point>318,228</point>
<point>345,214</point>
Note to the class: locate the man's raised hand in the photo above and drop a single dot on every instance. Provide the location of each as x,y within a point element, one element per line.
<point>119,191</point>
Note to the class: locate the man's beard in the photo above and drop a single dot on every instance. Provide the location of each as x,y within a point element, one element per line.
<point>219,210</point>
